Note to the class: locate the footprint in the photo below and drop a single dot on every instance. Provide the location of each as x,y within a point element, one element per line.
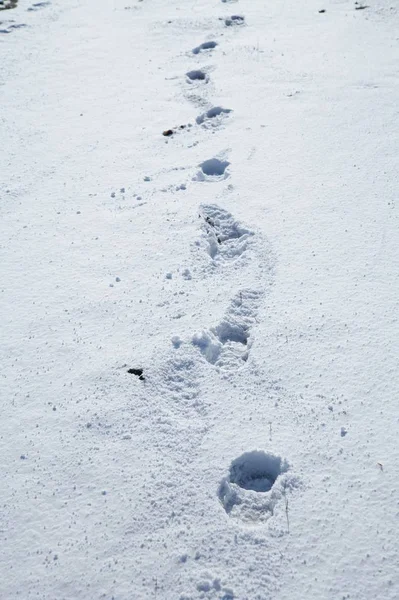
<point>38,6</point>
<point>256,482</point>
<point>197,75</point>
<point>212,586</point>
<point>7,4</point>
<point>213,170</point>
<point>10,28</point>
<point>213,117</point>
<point>187,25</point>
<point>228,344</point>
<point>204,46</point>
<point>234,20</point>
<point>197,100</point>
<point>176,382</point>
<point>226,238</point>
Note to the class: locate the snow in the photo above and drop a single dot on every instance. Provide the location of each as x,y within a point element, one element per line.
<point>199,329</point>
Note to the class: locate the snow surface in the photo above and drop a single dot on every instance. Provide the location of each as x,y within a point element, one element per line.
<point>246,261</point>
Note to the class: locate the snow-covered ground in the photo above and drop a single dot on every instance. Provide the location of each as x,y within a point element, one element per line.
<point>247,262</point>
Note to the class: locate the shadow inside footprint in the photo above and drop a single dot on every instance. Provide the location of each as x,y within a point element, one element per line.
<point>204,46</point>
<point>197,75</point>
<point>212,170</point>
<point>214,167</point>
<point>256,470</point>
<point>38,6</point>
<point>212,113</point>
<point>234,20</point>
<point>10,28</point>
<point>231,332</point>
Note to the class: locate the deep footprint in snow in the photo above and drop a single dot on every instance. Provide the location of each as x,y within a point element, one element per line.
<point>205,46</point>
<point>255,483</point>
<point>227,345</point>
<point>214,167</point>
<point>10,28</point>
<point>234,20</point>
<point>7,4</point>
<point>38,6</point>
<point>256,471</point>
<point>225,237</point>
<point>213,170</point>
<point>197,75</point>
<point>213,117</point>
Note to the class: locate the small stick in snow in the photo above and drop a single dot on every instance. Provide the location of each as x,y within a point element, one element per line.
<point>286,510</point>
<point>286,514</point>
